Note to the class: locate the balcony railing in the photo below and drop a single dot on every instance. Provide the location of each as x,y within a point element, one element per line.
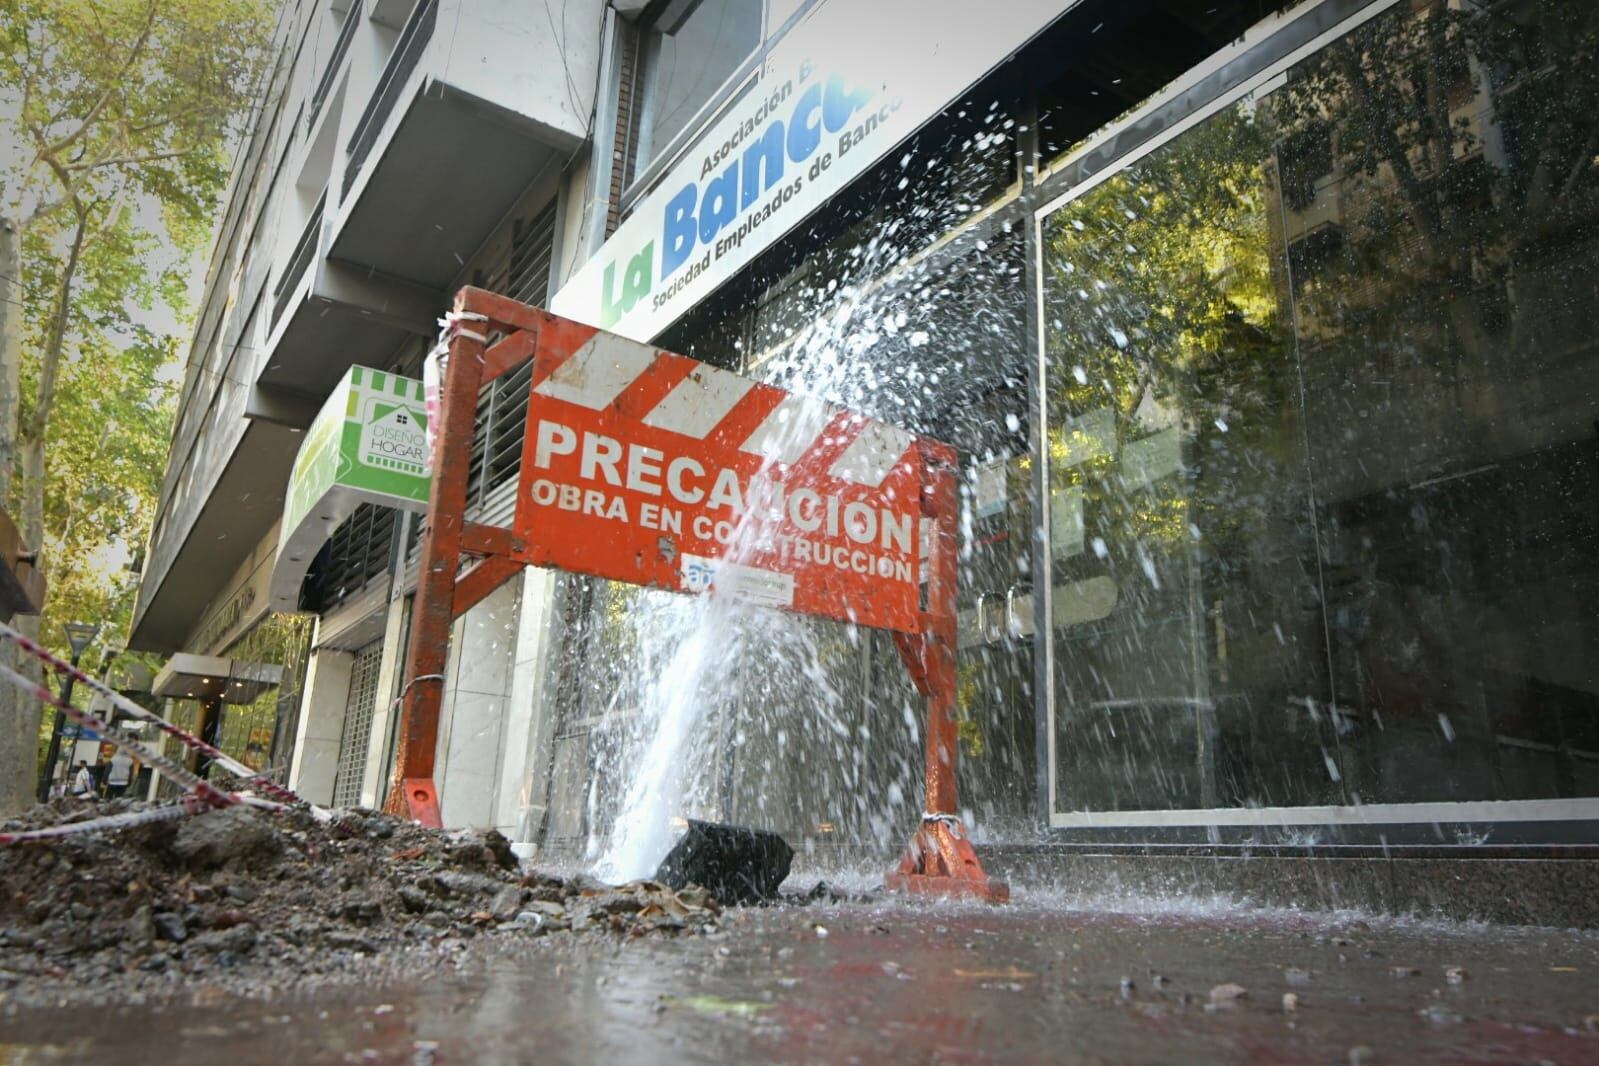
<point>341,47</point>
<point>304,252</point>
<point>407,53</point>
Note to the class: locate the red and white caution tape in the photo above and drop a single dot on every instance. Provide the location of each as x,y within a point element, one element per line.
<point>134,710</point>
<point>202,794</point>
<point>177,773</point>
<point>182,809</point>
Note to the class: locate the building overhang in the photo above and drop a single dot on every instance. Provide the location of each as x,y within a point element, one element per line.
<point>205,677</point>
<point>238,511</point>
<point>341,317</point>
<point>436,186</point>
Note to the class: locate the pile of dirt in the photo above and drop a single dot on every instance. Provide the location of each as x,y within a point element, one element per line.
<point>239,892</point>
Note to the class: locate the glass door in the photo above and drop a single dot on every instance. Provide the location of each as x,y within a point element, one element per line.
<point>1188,671</point>
<point>995,679</point>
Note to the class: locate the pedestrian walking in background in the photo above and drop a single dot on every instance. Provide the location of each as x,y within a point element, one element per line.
<point>83,780</point>
<point>118,775</point>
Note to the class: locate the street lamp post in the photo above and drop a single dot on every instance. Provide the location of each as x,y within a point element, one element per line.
<point>79,635</point>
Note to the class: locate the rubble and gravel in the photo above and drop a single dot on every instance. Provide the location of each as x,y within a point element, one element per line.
<point>253,902</point>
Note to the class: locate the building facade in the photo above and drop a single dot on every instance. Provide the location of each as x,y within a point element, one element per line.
<point>1258,326</point>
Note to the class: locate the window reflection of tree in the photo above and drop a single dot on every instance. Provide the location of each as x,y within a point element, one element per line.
<point>1164,307</point>
<point>1425,266</point>
<point>1161,289</point>
<point>1465,145</point>
<point>1442,318</point>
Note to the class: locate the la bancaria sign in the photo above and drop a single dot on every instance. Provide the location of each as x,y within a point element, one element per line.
<point>837,94</point>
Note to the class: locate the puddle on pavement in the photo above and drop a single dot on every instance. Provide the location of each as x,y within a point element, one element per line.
<point>928,983</point>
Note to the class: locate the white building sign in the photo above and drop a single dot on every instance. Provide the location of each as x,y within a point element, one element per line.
<point>836,95</point>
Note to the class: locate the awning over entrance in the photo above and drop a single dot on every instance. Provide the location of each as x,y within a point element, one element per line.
<point>210,677</point>
<point>368,445</point>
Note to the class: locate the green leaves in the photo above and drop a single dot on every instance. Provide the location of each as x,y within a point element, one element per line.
<point>136,96</point>
<point>123,114</point>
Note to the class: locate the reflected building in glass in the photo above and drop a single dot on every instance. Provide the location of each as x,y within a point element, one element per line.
<point>1336,436</point>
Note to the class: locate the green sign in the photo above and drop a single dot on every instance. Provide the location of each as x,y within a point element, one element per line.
<point>367,445</point>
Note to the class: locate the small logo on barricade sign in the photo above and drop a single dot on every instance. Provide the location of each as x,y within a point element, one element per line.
<point>766,588</point>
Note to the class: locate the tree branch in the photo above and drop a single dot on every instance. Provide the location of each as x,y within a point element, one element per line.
<point>69,192</point>
<point>107,206</point>
<point>28,73</point>
<point>113,86</point>
<point>73,512</point>
<point>1583,161</point>
<point>130,160</point>
<point>1394,153</point>
<point>38,420</point>
<point>45,210</point>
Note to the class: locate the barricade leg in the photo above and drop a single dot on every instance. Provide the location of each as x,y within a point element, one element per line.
<point>940,860</point>
<point>412,793</point>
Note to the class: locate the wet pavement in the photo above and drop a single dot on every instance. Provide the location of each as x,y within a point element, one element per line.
<point>1040,980</point>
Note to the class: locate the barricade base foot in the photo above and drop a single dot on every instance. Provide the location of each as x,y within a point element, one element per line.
<point>987,890</point>
<point>941,862</point>
<point>417,800</point>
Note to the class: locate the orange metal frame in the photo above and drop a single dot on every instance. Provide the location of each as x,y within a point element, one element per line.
<point>940,859</point>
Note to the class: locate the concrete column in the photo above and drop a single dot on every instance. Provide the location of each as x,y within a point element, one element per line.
<point>472,719</point>
<point>391,675</point>
<point>316,748</point>
<point>530,725</point>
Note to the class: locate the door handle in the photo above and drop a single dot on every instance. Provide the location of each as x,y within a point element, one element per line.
<point>1018,621</point>
<point>990,623</point>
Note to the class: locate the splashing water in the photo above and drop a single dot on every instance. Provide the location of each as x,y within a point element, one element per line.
<point>674,706</point>
<point>752,715</point>
<point>709,636</point>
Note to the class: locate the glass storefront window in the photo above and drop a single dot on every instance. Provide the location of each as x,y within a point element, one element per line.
<point>258,734</point>
<point>1320,424</point>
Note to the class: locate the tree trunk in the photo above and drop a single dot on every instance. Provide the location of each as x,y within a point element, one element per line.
<point>19,730</point>
<point>19,744</point>
<point>10,349</point>
<point>23,715</point>
<point>19,726</point>
<point>31,486</point>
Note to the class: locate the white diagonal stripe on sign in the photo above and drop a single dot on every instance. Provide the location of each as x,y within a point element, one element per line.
<point>791,429</point>
<point>699,402</point>
<point>873,455</point>
<point>597,373</point>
